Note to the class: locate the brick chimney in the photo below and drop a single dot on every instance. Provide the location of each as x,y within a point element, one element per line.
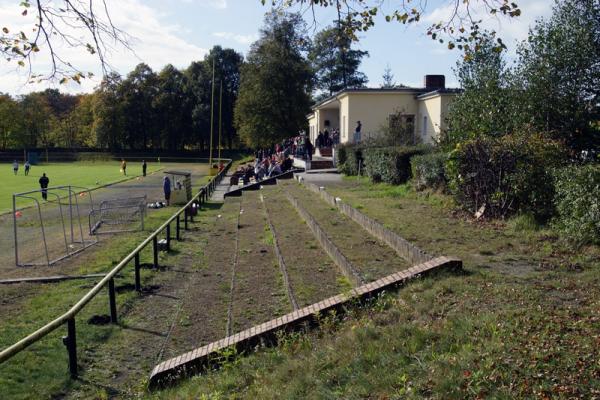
<point>434,82</point>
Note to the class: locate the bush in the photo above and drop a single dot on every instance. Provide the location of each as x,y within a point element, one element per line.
<point>428,170</point>
<point>505,175</point>
<point>577,202</point>
<point>352,156</point>
<point>390,164</point>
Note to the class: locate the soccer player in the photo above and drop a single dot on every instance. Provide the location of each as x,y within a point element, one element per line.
<point>44,181</point>
<point>27,167</point>
<point>124,166</point>
<point>144,166</point>
<point>15,167</point>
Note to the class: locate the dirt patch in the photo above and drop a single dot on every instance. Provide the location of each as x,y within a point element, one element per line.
<point>203,313</point>
<point>259,294</point>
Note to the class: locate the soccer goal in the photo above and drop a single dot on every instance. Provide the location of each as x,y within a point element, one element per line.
<point>118,215</point>
<point>49,224</point>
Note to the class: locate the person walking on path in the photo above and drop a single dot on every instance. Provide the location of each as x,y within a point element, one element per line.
<point>27,167</point>
<point>15,167</point>
<point>144,166</point>
<point>44,181</point>
<point>124,166</point>
<point>357,132</point>
<point>167,188</point>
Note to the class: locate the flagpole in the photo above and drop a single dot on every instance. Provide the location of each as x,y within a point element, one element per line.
<point>212,101</point>
<point>220,124</point>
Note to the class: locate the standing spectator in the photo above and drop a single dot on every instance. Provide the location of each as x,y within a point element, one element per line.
<point>144,166</point>
<point>357,132</point>
<point>124,166</point>
<point>326,139</point>
<point>319,141</point>
<point>15,167</point>
<point>309,149</point>
<point>44,181</point>
<point>167,189</point>
<point>336,137</point>
<point>27,167</point>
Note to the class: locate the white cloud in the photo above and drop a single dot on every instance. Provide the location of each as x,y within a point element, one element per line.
<point>153,42</point>
<point>220,4</point>
<point>243,39</point>
<point>512,30</point>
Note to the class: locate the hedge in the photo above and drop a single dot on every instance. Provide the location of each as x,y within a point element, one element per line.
<point>428,171</point>
<point>505,175</point>
<point>577,202</point>
<point>349,157</point>
<point>390,164</point>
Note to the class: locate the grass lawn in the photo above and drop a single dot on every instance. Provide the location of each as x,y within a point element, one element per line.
<point>86,174</point>
<point>520,323</point>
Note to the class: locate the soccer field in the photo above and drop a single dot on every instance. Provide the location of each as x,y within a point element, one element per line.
<point>87,174</point>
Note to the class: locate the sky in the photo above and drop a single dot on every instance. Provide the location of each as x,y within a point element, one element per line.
<point>181,31</point>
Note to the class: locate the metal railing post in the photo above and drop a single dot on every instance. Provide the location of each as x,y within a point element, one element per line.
<point>155,251</point>
<point>112,301</point>
<point>177,228</point>
<point>70,341</point>
<point>138,286</point>
<point>168,237</point>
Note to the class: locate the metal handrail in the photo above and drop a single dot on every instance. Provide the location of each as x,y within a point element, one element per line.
<point>108,279</point>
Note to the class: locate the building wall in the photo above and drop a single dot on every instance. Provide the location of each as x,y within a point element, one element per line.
<point>436,111</point>
<point>373,110</point>
<point>331,115</point>
<point>344,120</point>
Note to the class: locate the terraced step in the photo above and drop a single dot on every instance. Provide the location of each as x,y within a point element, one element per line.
<point>373,258</point>
<point>258,291</point>
<point>313,276</point>
<point>202,317</point>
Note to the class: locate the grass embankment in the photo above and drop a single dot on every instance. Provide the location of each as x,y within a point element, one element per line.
<point>522,322</point>
<point>87,174</point>
<point>41,370</point>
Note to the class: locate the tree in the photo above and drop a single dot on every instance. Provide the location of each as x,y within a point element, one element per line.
<point>137,92</point>
<point>170,107</point>
<point>559,73</point>
<point>10,122</point>
<point>335,62</point>
<point>108,114</point>
<point>488,106</point>
<point>275,83</point>
<point>461,29</point>
<point>53,27</point>
<point>388,78</point>
<point>227,71</point>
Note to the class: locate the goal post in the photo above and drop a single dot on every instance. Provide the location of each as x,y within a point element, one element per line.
<point>51,229</point>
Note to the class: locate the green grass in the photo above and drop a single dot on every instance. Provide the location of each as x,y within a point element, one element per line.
<point>520,322</point>
<point>86,174</point>
<point>46,361</point>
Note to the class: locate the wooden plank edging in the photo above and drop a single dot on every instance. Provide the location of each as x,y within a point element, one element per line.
<point>195,361</point>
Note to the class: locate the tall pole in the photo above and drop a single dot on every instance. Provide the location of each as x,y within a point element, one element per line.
<point>220,124</point>
<point>212,100</point>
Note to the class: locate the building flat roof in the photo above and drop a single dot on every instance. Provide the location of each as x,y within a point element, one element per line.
<point>421,93</point>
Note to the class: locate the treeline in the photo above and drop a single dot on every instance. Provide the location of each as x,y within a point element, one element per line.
<point>169,110</point>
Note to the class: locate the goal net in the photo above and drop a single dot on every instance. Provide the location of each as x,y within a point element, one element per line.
<point>50,225</point>
<point>118,215</point>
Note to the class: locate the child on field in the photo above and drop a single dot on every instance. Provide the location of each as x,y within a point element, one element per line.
<point>15,167</point>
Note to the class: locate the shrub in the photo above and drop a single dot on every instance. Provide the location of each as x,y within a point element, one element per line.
<point>428,170</point>
<point>353,156</point>
<point>390,164</point>
<point>505,175</point>
<point>577,202</point>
